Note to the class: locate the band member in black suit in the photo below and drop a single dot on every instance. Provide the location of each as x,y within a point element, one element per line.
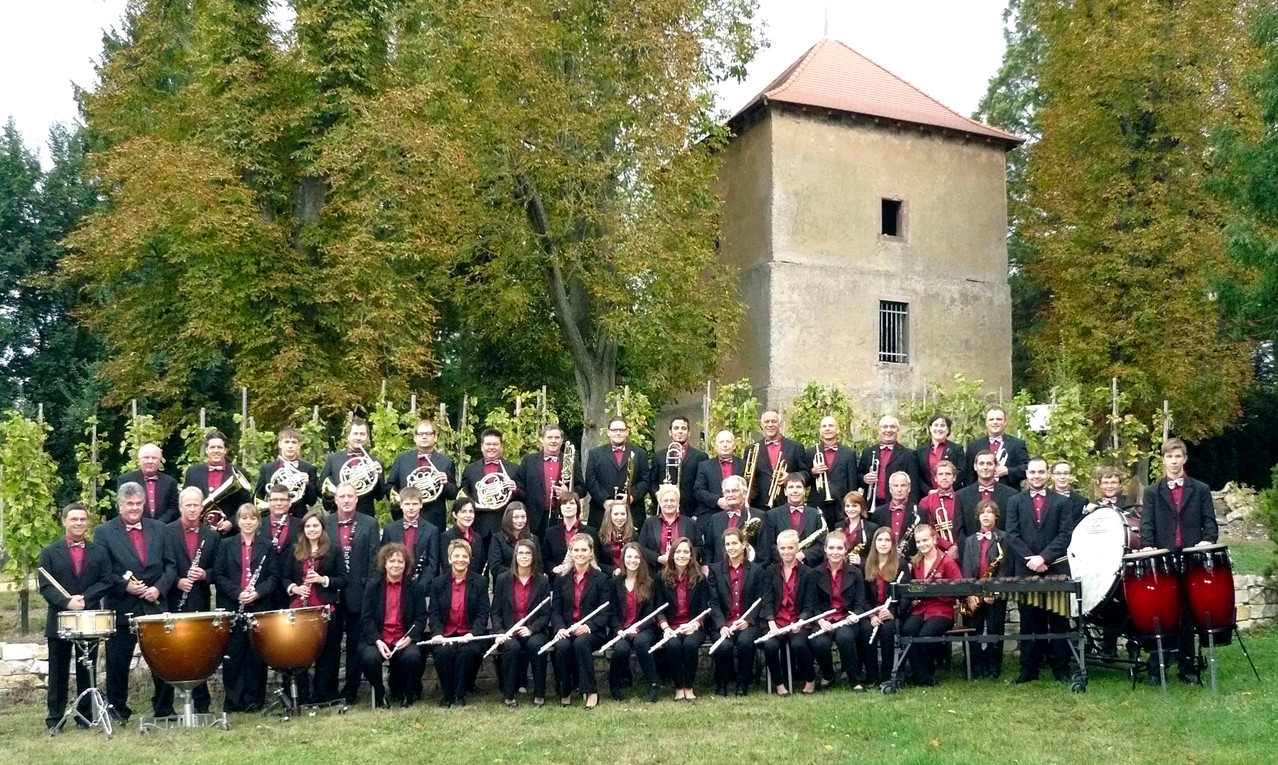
<point>476,482</point>
<point>1178,513</point>
<point>618,531</point>
<point>463,528</point>
<point>581,590</point>
<point>833,471</point>
<point>883,565</point>
<point>659,532</point>
<point>290,445</point>
<point>787,599</point>
<point>137,546</point>
<point>317,576</point>
<point>393,620</point>
<point>419,537</point>
<point>501,549</point>
<point>282,529</point>
<point>735,584</point>
<point>985,487</point>
<point>355,535</point>
<point>773,447</point>
<point>159,490</point>
<point>1010,453</point>
<point>541,479</point>
<point>929,617</point>
<point>515,594</point>
<point>1038,533</point>
<point>857,527</point>
<point>735,514</point>
<point>898,514</point>
<point>210,476</point>
<point>634,598</point>
<point>939,448</point>
<point>986,555</point>
<point>684,474</point>
<point>458,606</point>
<point>434,512</point>
<point>83,569</point>
<point>194,548</point>
<point>618,467</point>
<point>356,449</point>
<point>688,593</point>
<point>839,585</point>
<point>881,461</point>
<point>941,511</point>
<point>713,471</point>
<point>1062,476</point>
<point>244,576</point>
<point>804,520</point>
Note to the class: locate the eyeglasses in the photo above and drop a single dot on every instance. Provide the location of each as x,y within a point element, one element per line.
<point>425,432</point>
<point>617,430</point>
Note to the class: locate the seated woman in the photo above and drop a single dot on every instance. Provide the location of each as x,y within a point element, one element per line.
<point>458,608</point>
<point>463,528</point>
<point>788,599</point>
<point>688,594</point>
<point>579,591</point>
<point>634,598</point>
<point>316,577</point>
<point>929,617</point>
<point>516,593</point>
<point>857,527</point>
<point>839,586</point>
<point>878,633</point>
<point>618,531</point>
<point>243,574</point>
<point>501,548</point>
<point>393,617</point>
<point>735,584</point>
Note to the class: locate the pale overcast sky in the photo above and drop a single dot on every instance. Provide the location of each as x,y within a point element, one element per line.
<point>949,49</point>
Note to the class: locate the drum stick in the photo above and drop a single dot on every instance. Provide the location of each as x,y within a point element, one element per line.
<point>54,582</point>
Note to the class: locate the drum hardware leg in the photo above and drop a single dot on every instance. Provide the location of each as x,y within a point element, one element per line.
<point>1162,657</point>
<point>1238,634</point>
<point>97,701</point>
<point>1211,655</point>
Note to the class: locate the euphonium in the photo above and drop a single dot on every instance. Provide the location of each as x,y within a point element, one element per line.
<point>211,513</point>
<point>567,465</point>
<point>360,471</point>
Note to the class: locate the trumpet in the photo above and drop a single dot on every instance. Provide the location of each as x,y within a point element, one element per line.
<point>822,479</point>
<point>674,463</point>
<point>751,462</point>
<point>944,521</point>
<point>360,471</point>
<point>778,480</point>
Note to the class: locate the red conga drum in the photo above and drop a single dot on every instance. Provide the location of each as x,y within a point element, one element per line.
<point>1209,582</point>
<point>1151,587</point>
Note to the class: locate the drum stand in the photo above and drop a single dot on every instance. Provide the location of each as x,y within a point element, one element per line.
<point>188,718</point>
<point>289,707</point>
<point>97,702</point>
<point>1211,651</point>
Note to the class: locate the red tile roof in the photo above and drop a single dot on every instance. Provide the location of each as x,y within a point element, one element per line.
<point>833,76</point>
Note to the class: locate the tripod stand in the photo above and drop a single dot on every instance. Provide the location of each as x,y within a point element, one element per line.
<point>86,650</point>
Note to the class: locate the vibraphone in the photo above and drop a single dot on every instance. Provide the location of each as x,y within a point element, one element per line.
<point>1058,594</point>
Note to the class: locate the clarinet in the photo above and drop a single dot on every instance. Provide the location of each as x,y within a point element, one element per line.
<point>239,614</point>
<point>194,562</point>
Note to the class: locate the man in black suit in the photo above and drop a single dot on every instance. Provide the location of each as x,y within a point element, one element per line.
<point>713,472</point>
<point>1038,533</point>
<point>138,546</point>
<point>290,446</point>
<point>609,470</point>
<point>210,477</point>
<point>735,513</point>
<point>491,462</point>
<point>833,473</point>
<point>424,437</point>
<point>799,517</point>
<point>1062,479</point>
<point>356,446</point>
<point>773,449</point>
<point>283,530</point>
<point>1010,453</point>
<point>541,481</point>
<point>899,513</point>
<point>355,535</point>
<point>193,546</point>
<point>159,490</point>
<point>985,487</point>
<point>83,569</point>
<point>880,461</point>
<point>685,474</point>
<point>419,535</point>
<point>1178,513</point>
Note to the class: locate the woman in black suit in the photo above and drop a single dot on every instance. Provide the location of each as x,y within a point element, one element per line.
<point>616,531</point>
<point>244,575</point>
<point>458,607</point>
<point>578,592</point>
<point>393,617</point>
<point>882,566</point>
<point>688,594</point>
<point>501,548</point>
<point>516,593</point>
<point>634,597</point>
<point>736,583</point>
<point>787,600</point>
<point>463,528</point>
<point>316,577</point>
<point>857,527</point>
<point>938,448</point>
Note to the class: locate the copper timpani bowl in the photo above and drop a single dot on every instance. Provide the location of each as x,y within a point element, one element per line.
<point>183,648</point>
<point>290,638</point>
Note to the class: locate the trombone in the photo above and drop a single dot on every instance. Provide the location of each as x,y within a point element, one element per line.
<point>674,463</point>
<point>751,462</point>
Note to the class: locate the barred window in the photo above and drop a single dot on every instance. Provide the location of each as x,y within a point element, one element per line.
<point>894,332</point>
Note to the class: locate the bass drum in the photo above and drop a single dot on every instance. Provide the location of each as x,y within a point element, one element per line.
<point>1209,581</point>
<point>1096,560</point>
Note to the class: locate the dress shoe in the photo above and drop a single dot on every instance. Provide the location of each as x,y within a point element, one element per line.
<point>742,689</point>
<point>721,689</point>
<point>652,693</point>
<point>617,694</point>
<point>1026,677</point>
<point>511,703</point>
<point>1191,678</point>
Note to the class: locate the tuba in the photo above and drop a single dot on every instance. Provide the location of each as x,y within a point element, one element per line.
<point>211,513</point>
<point>360,471</point>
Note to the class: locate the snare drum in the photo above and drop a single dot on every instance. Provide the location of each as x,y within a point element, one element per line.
<point>1151,587</point>
<point>78,625</point>
<point>291,638</point>
<point>1209,582</point>
<point>183,648</point>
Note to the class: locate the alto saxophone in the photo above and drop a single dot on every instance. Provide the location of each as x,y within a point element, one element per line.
<point>967,610</point>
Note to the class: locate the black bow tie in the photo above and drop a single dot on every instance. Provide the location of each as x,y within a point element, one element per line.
<point>289,463</point>
<point>346,523</point>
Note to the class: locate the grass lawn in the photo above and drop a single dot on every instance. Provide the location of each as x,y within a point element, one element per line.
<point>1251,556</point>
<point>956,723</point>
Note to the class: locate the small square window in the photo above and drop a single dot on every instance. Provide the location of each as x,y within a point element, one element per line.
<point>891,213</point>
<point>894,332</point>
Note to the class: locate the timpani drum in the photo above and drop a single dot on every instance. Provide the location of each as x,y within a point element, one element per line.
<point>1209,582</point>
<point>290,638</point>
<point>81,625</point>
<point>1151,587</point>
<point>183,649</point>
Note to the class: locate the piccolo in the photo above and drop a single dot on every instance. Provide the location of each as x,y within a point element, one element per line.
<point>795,626</point>
<point>510,632</point>
<point>573,626</point>
<point>62,590</point>
<point>852,619</point>
<point>441,640</point>
<point>674,633</point>
<point>723,638</point>
<point>634,627</point>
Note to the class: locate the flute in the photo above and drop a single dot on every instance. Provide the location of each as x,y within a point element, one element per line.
<point>634,627</point>
<point>795,626</point>
<point>723,638</point>
<point>674,633</point>
<point>852,619</point>
<point>441,640</point>
<point>515,627</point>
<point>573,626</point>
<point>398,644</point>
<point>195,562</point>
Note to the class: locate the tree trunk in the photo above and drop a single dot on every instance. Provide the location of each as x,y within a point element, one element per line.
<point>24,603</point>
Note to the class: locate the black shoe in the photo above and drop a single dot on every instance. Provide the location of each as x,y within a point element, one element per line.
<point>445,703</point>
<point>617,694</point>
<point>721,689</point>
<point>406,702</point>
<point>1191,678</point>
<point>742,689</point>
<point>1026,677</point>
<point>653,690</point>
<point>460,702</point>
<point>1061,676</point>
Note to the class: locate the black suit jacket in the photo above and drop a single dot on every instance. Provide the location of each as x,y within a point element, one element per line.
<point>902,460</point>
<point>283,548</point>
<point>853,590</point>
<point>332,566</point>
<point>554,548</point>
<point>864,536</point>
<point>708,487</point>
<point>774,591</point>
<point>474,473</point>
<point>1027,537</point>
<point>159,572</point>
<point>198,476</point>
<point>309,495</point>
<point>689,468</point>
<point>753,584</point>
<point>796,461</point>
<point>436,510</point>
<point>842,477</point>
<point>166,496</point>
<point>93,582</point>
<point>617,613</point>
<point>1197,516</point>
<point>425,550</point>
<point>712,536</point>
<point>970,556</point>
<point>698,600</point>
<point>604,479</point>
<point>412,610</point>
<point>530,477</point>
<point>504,603</point>
<point>333,469</point>
<point>1075,502</point>
<point>969,497</point>
<point>228,570</point>
<point>201,598</point>
<point>363,559</point>
<point>478,553</point>
<point>598,591</point>
<point>650,536</point>
<point>477,605</point>
<point>953,452</point>
<point>914,515</point>
<point>778,520</point>
<point>1017,459</point>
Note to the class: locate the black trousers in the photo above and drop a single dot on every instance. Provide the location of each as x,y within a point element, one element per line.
<point>513,658</point>
<point>349,625</point>
<point>243,673</point>
<point>619,664</point>
<point>575,664</point>
<point>881,654</point>
<point>454,663</point>
<point>681,655</point>
<point>1040,621</point>
<point>60,658</point>
<point>119,655</point>
<point>734,661</point>
<point>1186,656</point>
<point>326,664</point>
<point>923,656</point>
<point>989,619</point>
<point>404,674</point>
<point>800,657</point>
<point>845,638</point>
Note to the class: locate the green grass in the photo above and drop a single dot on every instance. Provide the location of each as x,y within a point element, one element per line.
<point>1251,556</point>
<point>979,723</point>
<point>9,617</point>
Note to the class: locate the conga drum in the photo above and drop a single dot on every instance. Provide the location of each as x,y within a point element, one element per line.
<point>1151,588</point>
<point>1209,582</point>
<point>290,638</point>
<point>183,649</point>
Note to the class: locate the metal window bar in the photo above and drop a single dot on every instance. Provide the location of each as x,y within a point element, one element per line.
<point>894,332</point>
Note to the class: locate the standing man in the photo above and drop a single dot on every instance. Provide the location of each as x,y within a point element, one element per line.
<point>355,536</point>
<point>611,468</point>
<point>835,476</point>
<point>1178,514</point>
<point>159,490</point>
<point>491,462</point>
<point>137,546</point>
<point>193,546</point>
<point>773,448</point>
<point>885,458</point>
<point>282,529</point>
<point>1062,479</point>
<point>712,473</point>
<point>210,476</point>
<point>798,517</point>
<point>84,570</point>
<point>733,514</point>
<point>290,446</point>
<point>685,475</point>
<point>986,487</point>
<point>418,535</point>
<point>1010,453</point>
<point>356,446</point>
<point>425,436</point>
<point>541,480</point>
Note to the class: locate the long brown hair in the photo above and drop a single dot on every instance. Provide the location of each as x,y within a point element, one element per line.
<point>608,533</point>
<point>643,580</point>
<point>881,566</point>
<point>508,522</point>
<point>670,575</point>
<point>302,548</point>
